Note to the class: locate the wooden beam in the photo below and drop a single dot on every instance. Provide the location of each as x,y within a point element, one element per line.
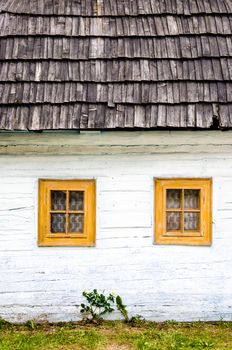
<point>147,142</point>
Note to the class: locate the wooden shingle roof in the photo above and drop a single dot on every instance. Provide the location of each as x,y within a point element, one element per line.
<point>105,64</point>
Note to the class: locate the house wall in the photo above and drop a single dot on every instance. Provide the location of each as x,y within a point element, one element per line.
<point>159,282</point>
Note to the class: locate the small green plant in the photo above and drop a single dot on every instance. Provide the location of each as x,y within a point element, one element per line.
<point>137,320</point>
<point>31,324</point>
<point>98,306</point>
<point>122,308</point>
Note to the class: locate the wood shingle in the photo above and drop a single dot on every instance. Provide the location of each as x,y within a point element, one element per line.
<point>94,64</point>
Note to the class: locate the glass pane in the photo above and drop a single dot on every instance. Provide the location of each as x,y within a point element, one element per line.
<point>76,200</point>
<point>76,223</point>
<point>191,199</point>
<point>191,221</point>
<point>58,223</point>
<point>173,221</point>
<point>173,199</point>
<point>58,199</point>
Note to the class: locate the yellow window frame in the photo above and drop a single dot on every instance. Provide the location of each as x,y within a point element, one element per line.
<point>202,236</point>
<point>49,239</point>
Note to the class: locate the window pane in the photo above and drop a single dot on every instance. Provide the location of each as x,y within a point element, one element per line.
<point>173,221</point>
<point>76,223</point>
<point>173,199</point>
<point>58,199</point>
<point>191,199</point>
<point>191,221</point>
<point>76,200</point>
<point>58,223</point>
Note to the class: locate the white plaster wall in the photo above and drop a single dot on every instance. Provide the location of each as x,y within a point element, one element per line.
<point>158,282</point>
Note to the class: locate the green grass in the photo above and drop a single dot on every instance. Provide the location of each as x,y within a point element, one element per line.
<point>117,336</point>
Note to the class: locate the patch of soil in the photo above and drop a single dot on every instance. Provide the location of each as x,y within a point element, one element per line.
<point>117,347</point>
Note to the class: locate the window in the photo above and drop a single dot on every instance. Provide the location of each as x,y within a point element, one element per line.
<point>66,213</point>
<point>183,213</point>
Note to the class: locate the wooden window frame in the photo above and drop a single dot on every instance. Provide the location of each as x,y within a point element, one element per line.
<point>48,239</point>
<point>203,236</point>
